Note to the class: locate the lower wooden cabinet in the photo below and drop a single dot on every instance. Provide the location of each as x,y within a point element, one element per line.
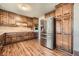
<point>2,37</point>
<point>65,42</point>
<point>19,36</point>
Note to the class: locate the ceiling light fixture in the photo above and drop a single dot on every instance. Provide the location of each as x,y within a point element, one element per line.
<point>24,7</point>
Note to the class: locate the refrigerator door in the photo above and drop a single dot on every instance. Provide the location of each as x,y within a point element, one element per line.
<point>49,24</point>
<point>50,29</point>
<point>50,42</point>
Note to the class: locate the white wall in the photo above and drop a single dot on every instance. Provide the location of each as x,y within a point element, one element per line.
<point>76,27</point>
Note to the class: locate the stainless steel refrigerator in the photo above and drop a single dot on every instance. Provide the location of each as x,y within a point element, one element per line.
<point>48,33</point>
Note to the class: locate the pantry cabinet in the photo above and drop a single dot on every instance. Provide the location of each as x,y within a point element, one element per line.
<point>63,15</point>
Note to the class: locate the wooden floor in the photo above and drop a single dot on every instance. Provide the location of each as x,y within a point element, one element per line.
<point>30,48</point>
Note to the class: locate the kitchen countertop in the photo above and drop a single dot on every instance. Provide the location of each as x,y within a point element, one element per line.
<point>13,31</point>
<point>2,32</point>
<point>5,29</point>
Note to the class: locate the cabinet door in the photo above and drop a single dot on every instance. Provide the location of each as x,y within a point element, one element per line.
<point>8,40</point>
<point>67,8</point>
<point>65,42</point>
<point>52,14</point>
<point>59,41</point>
<point>67,24</point>
<point>58,12</point>
<point>59,33</point>
<point>70,44</point>
<point>14,39</point>
<point>58,27</point>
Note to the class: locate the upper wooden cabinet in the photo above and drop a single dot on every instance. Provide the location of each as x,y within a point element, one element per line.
<point>63,9</point>
<point>58,12</point>
<point>35,21</point>
<point>49,14</point>
<point>67,8</point>
<point>13,19</point>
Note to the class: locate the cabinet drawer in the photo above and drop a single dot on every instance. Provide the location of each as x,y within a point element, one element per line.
<point>8,40</point>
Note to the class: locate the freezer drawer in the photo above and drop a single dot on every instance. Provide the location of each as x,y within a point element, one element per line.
<point>50,42</point>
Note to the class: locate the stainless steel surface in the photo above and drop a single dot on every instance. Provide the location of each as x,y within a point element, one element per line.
<point>48,34</point>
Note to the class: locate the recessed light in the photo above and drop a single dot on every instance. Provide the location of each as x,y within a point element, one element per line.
<point>25,7</point>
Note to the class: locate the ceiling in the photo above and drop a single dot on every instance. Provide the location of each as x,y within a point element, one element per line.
<point>37,9</point>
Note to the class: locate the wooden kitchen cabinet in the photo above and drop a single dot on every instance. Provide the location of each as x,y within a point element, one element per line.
<point>58,16</point>
<point>19,36</point>
<point>47,15</point>
<point>64,20</point>
<point>65,42</point>
<point>8,18</point>
<point>2,41</point>
<point>59,40</point>
<point>58,12</point>
<point>67,8</point>
<point>65,26</point>
<point>50,14</point>
<point>70,43</point>
<point>58,26</point>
